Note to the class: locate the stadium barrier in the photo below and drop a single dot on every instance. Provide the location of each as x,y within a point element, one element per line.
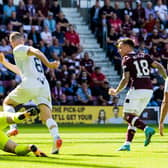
<point>96,114</point>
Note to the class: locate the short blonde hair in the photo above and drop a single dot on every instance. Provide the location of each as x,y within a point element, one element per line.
<point>15,36</point>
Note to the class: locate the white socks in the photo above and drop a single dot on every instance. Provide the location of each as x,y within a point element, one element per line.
<point>53,127</point>
<point>10,109</point>
<point>127,143</point>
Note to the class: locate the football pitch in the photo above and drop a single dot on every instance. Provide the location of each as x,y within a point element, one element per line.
<point>89,147</point>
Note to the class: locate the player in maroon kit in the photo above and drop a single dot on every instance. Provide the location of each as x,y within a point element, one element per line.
<point>136,69</point>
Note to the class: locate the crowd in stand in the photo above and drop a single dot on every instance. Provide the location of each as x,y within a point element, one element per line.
<point>44,26</point>
<point>78,81</point>
<point>146,24</point>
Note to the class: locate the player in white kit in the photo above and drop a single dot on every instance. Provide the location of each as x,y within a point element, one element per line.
<point>34,85</point>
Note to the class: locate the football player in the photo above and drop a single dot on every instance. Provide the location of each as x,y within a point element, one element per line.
<point>136,69</point>
<point>34,85</point>
<point>10,146</point>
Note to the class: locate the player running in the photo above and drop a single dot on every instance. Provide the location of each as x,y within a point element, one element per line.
<point>34,85</point>
<point>10,146</point>
<point>164,108</point>
<point>136,69</point>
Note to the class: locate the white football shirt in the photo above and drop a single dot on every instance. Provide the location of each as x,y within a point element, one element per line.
<point>30,66</point>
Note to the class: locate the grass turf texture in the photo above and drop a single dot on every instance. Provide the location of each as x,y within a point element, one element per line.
<point>89,147</point>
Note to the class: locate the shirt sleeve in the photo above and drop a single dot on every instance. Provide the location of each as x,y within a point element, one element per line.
<point>125,66</point>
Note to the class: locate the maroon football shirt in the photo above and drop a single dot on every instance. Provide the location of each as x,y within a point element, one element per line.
<point>138,64</point>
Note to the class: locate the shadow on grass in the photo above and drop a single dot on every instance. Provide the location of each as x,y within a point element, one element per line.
<point>92,155</point>
<point>55,161</point>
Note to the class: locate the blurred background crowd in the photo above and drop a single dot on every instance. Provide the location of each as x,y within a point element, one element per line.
<point>78,81</point>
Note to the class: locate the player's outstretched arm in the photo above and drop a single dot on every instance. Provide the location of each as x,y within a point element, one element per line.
<point>160,68</point>
<point>8,65</point>
<point>123,83</point>
<point>35,52</point>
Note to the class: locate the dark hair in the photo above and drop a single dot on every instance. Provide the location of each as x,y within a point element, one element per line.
<point>115,108</point>
<point>127,41</point>
<point>97,68</point>
<point>99,118</point>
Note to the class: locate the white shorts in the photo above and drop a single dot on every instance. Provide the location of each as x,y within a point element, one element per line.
<point>39,94</point>
<point>137,100</point>
<point>166,85</point>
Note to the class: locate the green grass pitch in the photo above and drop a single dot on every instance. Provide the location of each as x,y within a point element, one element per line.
<point>89,147</point>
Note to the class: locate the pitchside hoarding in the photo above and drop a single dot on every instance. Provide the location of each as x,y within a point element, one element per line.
<point>97,114</point>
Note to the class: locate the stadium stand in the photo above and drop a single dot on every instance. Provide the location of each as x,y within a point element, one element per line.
<point>62,34</point>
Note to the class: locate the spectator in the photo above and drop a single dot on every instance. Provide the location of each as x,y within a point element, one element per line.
<point>115,22</point>
<point>84,96</point>
<point>62,21</point>
<point>155,38</point>
<point>155,54</point>
<point>102,28</point>
<point>14,21</point>
<point>58,34</point>
<point>68,50</point>
<point>73,38</point>
<point>103,96</point>
<point>149,10</point>
<point>164,56</point>
<point>34,35</point>
<point>111,43</point>
<point>55,8</point>
<point>127,10</point>
<point>4,47</point>
<point>143,48</point>
<point>127,25</point>
<point>74,65</point>
<point>22,13</point>
<point>68,90</point>
<point>87,64</point>
<point>63,74</point>
<point>158,94</point>
<point>83,77</point>
<point>57,91</point>
<point>164,37</point>
<point>64,100</point>
<point>55,48</point>
<point>46,36</point>
<point>107,9</point>
<point>149,24</point>
<point>44,49</point>
<point>162,12</point>
<point>31,12</point>
<point>94,16</point>
<point>139,14</point>
<point>50,22</point>
<point>42,10</point>
<point>115,101</point>
<point>97,80</point>
<point>8,9</point>
<point>117,10</point>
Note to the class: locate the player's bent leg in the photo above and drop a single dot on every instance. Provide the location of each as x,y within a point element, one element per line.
<point>3,140</point>
<point>19,117</point>
<point>138,123</point>
<point>46,116</point>
<point>22,150</point>
<point>129,137</point>
<point>8,106</point>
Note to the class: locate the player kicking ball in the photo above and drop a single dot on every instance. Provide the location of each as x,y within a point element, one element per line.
<point>136,69</point>
<point>10,146</point>
<point>34,85</point>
